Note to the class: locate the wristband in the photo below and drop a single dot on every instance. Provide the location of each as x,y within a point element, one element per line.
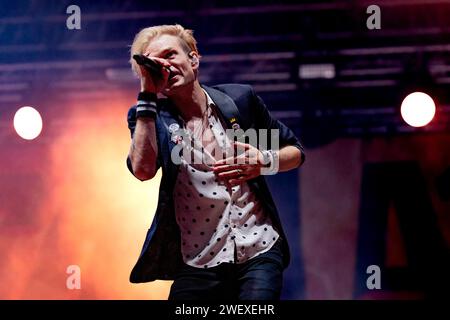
<point>146,105</point>
<point>266,158</point>
<point>147,96</point>
<point>146,114</point>
<point>272,165</point>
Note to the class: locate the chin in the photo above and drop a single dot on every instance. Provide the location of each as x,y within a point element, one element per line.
<point>174,87</point>
<point>169,91</point>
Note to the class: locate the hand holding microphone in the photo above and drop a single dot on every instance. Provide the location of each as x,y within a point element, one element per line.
<point>155,73</point>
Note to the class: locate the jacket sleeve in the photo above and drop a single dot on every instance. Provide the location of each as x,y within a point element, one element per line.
<point>131,120</point>
<point>264,120</point>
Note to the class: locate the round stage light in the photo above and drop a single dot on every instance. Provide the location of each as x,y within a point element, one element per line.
<point>418,109</point>
<point>28,123</point>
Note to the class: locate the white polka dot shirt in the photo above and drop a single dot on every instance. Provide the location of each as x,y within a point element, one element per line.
<point>218,224</point>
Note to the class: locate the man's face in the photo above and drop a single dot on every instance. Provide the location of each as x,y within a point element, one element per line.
<point>182,70</point>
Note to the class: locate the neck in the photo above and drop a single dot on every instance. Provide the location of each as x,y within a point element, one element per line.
<point>191,102</point>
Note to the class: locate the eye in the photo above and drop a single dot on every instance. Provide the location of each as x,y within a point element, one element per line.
<point>169,54</point>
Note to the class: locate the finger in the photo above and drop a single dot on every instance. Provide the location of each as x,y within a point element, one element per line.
<point>230,174</point>
<point>165,74</point>
<point>242,145</point>
<point>161,81</point>
<point>243,178</point>
<point>228,167</point>
<point>161,61</point>
<point>232,160</point>
<point>239,180</point>
<point>218,169</point>
<point>225,161</point>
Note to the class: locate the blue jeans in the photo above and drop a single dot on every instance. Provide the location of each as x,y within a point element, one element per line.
<point>259,278</point>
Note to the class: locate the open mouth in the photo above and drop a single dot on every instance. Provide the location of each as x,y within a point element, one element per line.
<point>172,76</point>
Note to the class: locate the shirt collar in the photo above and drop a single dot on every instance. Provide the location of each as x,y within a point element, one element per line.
<point>209,101</point>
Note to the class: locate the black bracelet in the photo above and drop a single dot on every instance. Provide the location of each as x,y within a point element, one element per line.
<point>147,96</point>
<point>146,105</point>
<point>147,110</point>
<point>146,114</point>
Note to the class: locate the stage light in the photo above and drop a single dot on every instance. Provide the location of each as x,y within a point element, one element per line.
<point>28,123</point>
<point>418,109</point>
<point>317,71</point>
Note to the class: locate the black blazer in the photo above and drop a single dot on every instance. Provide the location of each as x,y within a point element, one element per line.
<point>238,104</point>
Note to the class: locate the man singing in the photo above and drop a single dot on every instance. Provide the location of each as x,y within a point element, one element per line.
<point>216,231</point>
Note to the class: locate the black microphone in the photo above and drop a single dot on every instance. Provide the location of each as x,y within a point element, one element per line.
<point>152,66</point>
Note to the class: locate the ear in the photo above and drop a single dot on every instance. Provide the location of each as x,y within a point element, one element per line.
<point>193,56</point>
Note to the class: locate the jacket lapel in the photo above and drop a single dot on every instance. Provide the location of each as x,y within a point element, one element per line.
<point>226,106</point>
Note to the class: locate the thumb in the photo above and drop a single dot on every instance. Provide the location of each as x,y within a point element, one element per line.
<point>241,144</point>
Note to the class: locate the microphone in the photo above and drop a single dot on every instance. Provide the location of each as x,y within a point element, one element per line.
<point>149,64</point>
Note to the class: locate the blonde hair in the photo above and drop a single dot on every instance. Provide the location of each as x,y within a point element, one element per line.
<point>145,36</point>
